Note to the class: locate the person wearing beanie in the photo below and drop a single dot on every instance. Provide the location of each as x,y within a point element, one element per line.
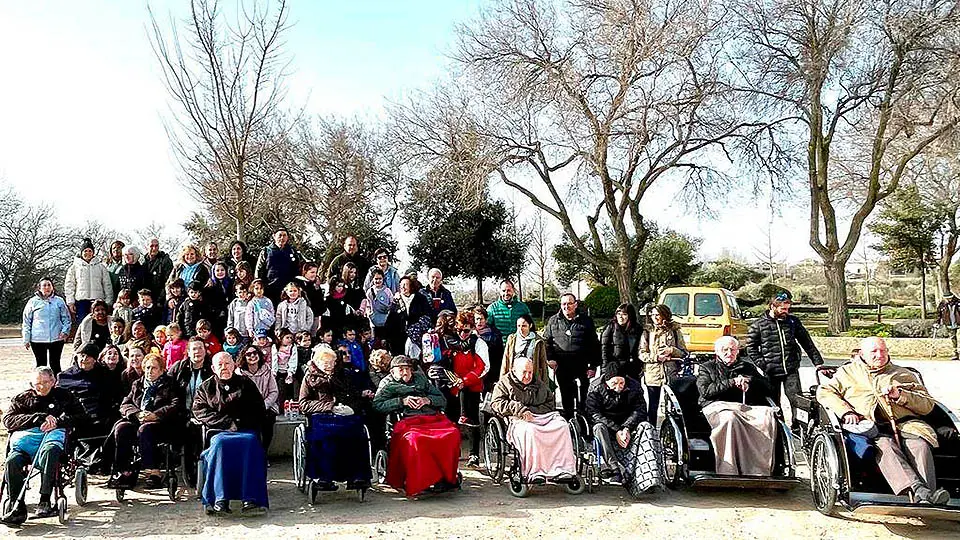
<point>87,280</point>
<point>192,310</point>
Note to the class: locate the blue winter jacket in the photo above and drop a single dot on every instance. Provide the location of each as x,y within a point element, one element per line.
<point>44,319</point>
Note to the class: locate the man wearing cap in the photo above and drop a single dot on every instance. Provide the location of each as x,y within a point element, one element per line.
<point>616,406</point>
<point>90,383</point>
<point>424,445</point>
<point>948,315</point>
<point>278,265</point>
<point>892,397</point>
<point>773,345</point>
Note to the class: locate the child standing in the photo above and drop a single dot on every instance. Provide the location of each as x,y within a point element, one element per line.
<point>123,308</point>
<point>147,312</point>
<point>192,310</point>
<point>285,364</point>
<point>378,304</point>
<point>304,342</point>
<point>210,341</point>
<point>174,301</point>
<point>293,312</point>
<point>260,315</point>
<point>176,347</point>
<point>354,349</point>
<point>237,310</point>
<point>232,342</point>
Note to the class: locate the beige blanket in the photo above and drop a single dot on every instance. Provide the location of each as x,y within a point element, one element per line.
<point>743,436</point>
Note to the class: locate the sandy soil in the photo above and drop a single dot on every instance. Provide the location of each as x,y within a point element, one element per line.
<point>481,510</point>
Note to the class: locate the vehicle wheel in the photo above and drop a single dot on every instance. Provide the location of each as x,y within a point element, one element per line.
<point>80,486</point>
<point>671,453</point>
<point>62,510</point>
<point>493,451</point>
<point>824,474</point>
<point>575,486</point>
<point>518,488</point>
<point>380,466</point>
<point>172,487</point>
<point>299,458</point>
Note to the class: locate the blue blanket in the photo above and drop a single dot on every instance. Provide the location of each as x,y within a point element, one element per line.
<point>337,449</point>
<point>32,441</point>
<point>234,469</point>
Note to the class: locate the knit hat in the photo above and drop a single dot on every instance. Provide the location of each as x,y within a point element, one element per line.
<point>262,332</point>
<point>87,243</point>
<point>89,349</point>
<point>611,370</point>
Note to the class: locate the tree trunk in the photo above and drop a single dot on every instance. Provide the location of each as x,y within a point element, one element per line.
<point>624,274</point>
<point>943,273</point>
<point>839,317</point>
<point>480,290</point>
<point>923,292</point>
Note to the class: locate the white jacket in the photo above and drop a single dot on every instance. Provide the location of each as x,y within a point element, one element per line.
<point>88,281</point>
<point>294,316</point>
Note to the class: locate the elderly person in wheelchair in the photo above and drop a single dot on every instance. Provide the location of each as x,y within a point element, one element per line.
<point>37,421</point>
<point>424,447</point>
<point>336,441</point>
<point>734,398</point>
<point>234,465</point>
<point>627,441</point>
<point>150,415</point>
<point>872,392</point>
<point>538,432</point>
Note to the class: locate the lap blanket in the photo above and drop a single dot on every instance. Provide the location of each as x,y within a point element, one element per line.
<point>36,444</point>
<point>423,451</point>
<point>234,469</point>
<point>744,437</point>
<point>641,461</point>
<point>337,449</point>
<point>544,445</point>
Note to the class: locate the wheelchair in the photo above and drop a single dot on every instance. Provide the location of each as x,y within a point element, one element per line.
<point>206,434</point>
<point>840,479</point>
<point>70,472</point>
<point>171,460</point>
<point>301,456</point>
<point>381,456</point>
<point>688,453</point>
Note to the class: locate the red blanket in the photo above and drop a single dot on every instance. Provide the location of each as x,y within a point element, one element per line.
<point>423,451</point>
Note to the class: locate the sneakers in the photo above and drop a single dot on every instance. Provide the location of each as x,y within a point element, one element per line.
<point>473,461</point>
<point>923,495</point>
<point>122,481</point>
<point>15,517</point>
<point>464,421</point>
<point>607,473</point>
<point>218,508</point>
<point>251,509</point>
<point>44,510</point>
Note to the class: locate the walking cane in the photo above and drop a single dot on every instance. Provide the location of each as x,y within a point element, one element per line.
<point>888,408</point>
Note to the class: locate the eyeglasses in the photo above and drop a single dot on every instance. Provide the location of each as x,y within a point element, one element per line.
<point>251,353</point>
<point>464,330</point>
<point>381,257</point>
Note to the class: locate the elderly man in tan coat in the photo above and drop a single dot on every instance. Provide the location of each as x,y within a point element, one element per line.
<point>893,397</point>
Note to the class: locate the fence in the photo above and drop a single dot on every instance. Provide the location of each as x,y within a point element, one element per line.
<point>876,309</point>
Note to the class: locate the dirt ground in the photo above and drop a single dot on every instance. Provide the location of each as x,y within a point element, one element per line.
<point>481,510</point>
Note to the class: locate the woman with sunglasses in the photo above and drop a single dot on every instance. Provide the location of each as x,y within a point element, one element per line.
<point>391,277</point>
<point>467,355</point>
<point>250,363</point>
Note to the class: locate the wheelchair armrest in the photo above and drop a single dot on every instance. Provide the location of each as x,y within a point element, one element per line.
<point>208,434</point>
<point>771,403</point>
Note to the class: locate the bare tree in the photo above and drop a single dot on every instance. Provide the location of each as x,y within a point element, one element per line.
<point>870,84</point>
<point>767,254</point>
<point>540,253</point>
<point>226,86</point>
<point>938,181</point>
<point>582,107</point>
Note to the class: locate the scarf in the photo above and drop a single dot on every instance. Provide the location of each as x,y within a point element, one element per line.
<point>525,345</point>
<point>189,272</point>
<point>149,391</point>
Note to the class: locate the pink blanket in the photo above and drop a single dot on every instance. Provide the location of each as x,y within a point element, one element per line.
<point>544,445</point>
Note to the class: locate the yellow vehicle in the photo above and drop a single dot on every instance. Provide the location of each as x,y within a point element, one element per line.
<point>705,313</point>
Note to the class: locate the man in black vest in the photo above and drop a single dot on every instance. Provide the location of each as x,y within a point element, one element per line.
<point>278,264</point>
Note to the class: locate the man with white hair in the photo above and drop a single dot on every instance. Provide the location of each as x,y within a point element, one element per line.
<point>438,296</point>
<point>733,394</point>
<point>871,388</point>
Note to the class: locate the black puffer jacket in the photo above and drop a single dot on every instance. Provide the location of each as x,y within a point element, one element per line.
<point>772,345</point>
<point>621,346</point>
<point>617,410</point>
<point>715,383</point>
<point>572,344</point>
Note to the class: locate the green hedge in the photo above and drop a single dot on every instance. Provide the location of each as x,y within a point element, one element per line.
<point>602,302</point>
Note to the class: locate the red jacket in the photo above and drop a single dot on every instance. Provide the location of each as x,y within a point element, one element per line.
<point>213,345</point>
<point>469,367</point>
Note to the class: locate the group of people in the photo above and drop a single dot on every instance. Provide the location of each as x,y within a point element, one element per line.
<point>173,357</point>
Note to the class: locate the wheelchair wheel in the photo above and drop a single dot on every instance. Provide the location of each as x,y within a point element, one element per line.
<point>80,486</point>
<point>824,474</point>
<point>120,493</point>
<point>380,466</point>
<point>575,486</point>
<point>199,476</point>
<point>518,488</point>
<point>575,437</point>
<point>62,509</point>
<point>672,453</point>
<point>299,458</point>
<point>493,450</point>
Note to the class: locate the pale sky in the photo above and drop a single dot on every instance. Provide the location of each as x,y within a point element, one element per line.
<point>82,103</point>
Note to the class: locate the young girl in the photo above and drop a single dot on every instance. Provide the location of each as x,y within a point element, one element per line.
<point>285,364</point>
<point>176,347</point>
<point>237,310</point>
<point>260,315</point>
<point>378,303</point>
<point>232,342</point>
<point>326,338</point>
<point>160,336</point>
<point>174,301</point>
<point>293,312</point>
<point>123,308</point>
